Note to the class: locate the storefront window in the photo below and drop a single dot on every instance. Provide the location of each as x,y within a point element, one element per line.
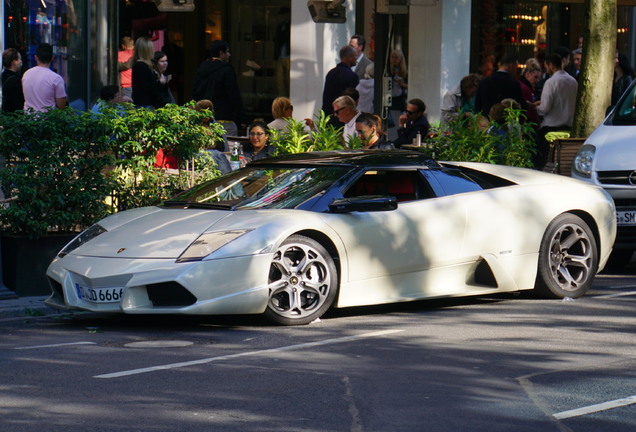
<point>67,25</point>
<point>533,29</point>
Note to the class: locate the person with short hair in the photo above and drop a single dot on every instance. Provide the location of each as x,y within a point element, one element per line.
<point>358,43</point>
<point>500,85</point>
<point>412,122</point>
<point>345,110</point>
<point>460,101</point>
<point>556,105</point>
<point>124,65</point>
<point>216,80</point>
<point>12,96</point>
<point>43,88</point>
<point>339,78</point>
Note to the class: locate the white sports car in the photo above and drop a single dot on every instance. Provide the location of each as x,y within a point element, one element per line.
<point>290,237</point>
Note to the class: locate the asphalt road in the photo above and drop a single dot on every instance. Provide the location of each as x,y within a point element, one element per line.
<point>496,363</point>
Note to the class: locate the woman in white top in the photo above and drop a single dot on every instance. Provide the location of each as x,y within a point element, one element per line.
<point>282,110</point>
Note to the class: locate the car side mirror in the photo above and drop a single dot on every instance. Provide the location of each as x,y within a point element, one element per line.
<point>366,203</point>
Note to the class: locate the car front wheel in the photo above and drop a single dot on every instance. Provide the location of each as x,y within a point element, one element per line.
<point>568,258</point>
<point>303,282</point>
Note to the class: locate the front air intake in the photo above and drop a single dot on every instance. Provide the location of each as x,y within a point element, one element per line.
<point>170,294</point>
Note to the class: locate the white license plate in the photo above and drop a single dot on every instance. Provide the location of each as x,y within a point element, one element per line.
<point>626,217</point>
<point>99,295</point>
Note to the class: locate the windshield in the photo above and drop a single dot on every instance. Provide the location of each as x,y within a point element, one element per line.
<point>260,188</point>
<point>626,110</point>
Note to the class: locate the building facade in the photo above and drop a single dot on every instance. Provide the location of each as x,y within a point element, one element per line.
<point>278,50</point>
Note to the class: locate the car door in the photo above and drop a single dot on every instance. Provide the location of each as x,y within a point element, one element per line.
<point>395,255</point>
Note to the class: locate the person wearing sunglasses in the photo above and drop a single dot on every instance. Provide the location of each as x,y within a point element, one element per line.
<point>346,111</point>
<point>369,130</point>
<point>259,146</point>
<point>412,122</point>
<point>282,110</point>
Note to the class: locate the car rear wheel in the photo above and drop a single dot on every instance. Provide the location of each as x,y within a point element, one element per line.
<point>303,282</point>
<point>568,258</point>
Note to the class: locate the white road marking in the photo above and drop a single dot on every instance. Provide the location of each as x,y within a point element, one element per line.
<point>244,354</point>
<point>623,294</point>
<point>596,408</point>
<point>54,345</point>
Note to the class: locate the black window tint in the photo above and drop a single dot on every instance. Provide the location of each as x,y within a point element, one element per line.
<point>454,182</point>
<point>625,113</point>
<point>405,185</point>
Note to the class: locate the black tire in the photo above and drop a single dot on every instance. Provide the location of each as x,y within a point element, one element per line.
<point>303,282</point>
<point>568,258</point>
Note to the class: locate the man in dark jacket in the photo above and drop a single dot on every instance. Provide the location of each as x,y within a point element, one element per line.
<point>339,78</point>
<point>412,123</point>
<point>215,80</point>
<point>500,85</point>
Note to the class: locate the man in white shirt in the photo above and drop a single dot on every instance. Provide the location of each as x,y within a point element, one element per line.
<point>556,105</point>
<point>345,110</point>
<point>42,87</point>
<point>358,42</point>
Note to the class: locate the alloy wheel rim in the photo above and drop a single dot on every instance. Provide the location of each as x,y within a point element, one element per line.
<point>571,257</point>
<point>299,281</point>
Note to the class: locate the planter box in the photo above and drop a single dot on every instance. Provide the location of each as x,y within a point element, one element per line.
<point>24,262</point>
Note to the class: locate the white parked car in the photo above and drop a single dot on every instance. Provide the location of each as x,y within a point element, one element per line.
<point>608,159</point>
<point>292,236</point>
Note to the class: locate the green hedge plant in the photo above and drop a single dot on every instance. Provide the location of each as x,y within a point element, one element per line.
<point>64,170</point>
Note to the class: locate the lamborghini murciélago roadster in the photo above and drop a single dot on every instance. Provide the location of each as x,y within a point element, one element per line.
<point>292,236</point>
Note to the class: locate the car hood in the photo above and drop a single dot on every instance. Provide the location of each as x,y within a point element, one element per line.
<point>150,232</point>
<point>615,148</point>
<point>164,233</point>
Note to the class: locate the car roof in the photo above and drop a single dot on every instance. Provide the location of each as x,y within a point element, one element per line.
<point>353,158</point>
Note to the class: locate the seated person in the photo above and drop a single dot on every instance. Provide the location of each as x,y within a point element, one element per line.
<point>412,122</point>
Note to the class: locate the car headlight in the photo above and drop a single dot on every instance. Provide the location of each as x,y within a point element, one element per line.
<point>81,239</point>
<point>583,161</point>
<point>209,242</point>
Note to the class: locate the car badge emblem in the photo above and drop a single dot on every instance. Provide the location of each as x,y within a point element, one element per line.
<point>121,250</point>
<point>632,178</point>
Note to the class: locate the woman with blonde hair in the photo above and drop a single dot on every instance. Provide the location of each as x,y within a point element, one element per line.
<point>282,110</point>
<point>143,78</point>
<point>399,73</point>
<point>530,76</point>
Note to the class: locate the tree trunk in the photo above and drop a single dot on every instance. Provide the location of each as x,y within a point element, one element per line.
<point>597,70</point>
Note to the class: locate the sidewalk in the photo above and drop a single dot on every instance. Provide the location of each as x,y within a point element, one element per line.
<point>25,307</point>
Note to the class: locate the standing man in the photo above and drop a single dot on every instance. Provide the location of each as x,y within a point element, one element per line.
<point>358,42</point>
<point>124,64</point>
<point>215,80</point>
<point>556,105</point>
<point>42,87</point>
<point>412,122</point>
<point>339,78</point>
<point>12,96</point>
<point>500,85</point>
